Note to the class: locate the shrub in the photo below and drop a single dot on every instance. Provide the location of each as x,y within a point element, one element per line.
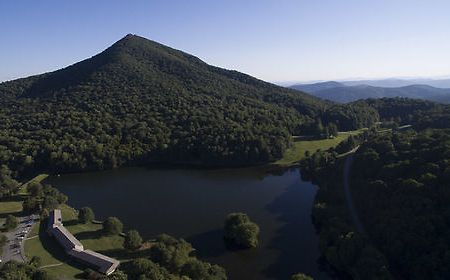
<point>86,215</point>
<point>133,240</point>
<point>240,231</point>
<point>112,226</point>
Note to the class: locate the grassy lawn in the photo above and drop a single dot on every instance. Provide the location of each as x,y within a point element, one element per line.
<point>90,236</point>
<point>10,207</point>
<point>13,207</point>
<point>297,151</point>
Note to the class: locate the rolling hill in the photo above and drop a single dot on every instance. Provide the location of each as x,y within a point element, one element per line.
<point>340,92</point>
<point>141,102</point>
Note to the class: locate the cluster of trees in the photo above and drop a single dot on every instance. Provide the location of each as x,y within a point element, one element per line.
<point>11,222</point>
<point>8,186</point>
<point>86,215</point>
<point>112,226</point>
<point>24,271</point>
<point>318,130</point>
<point>3,240</point>
<point>401,187</point>
<point>133,240</point>
<point>351,116</point>
<point>240,231</point>
<point>42,199</point>
<point>172,258</point>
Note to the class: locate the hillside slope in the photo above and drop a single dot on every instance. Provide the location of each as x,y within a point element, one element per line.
<point>139,102</point>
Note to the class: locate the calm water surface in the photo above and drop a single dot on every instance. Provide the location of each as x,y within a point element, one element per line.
<point>193,204</point>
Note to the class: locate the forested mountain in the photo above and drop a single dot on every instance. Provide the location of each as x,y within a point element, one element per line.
<point>340,92</point>
<point>139,102</point>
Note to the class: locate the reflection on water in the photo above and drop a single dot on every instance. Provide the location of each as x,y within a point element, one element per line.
<point>193,204</point>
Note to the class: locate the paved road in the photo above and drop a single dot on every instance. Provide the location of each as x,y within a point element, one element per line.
<point>14,247</point>
<point>348,195</point>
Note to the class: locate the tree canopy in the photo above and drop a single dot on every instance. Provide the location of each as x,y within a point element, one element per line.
<point>240,231</point>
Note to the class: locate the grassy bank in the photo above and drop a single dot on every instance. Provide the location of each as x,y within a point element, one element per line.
<point>300,146</point>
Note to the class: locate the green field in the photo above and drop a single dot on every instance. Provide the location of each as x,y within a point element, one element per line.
<point>297,151</point>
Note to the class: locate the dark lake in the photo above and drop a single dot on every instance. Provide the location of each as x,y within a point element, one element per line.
<point>193,203</point>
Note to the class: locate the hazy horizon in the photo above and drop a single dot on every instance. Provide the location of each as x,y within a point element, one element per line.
<point>281,42</point>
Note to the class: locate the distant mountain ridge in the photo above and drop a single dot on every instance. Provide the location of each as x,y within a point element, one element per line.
<point>438,83</point>
<point>343,93</point>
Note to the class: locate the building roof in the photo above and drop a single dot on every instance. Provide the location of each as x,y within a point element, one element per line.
<point>101,263</point>
<point>54,219</point>
<point>74,248</point>
<point>66,239</point>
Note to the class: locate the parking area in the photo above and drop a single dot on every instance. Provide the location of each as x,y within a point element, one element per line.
<point>14,247</point>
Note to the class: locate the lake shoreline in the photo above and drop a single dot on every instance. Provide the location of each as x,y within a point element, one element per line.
<point>192,204</point>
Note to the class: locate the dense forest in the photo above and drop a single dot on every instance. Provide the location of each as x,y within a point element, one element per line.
<point>399,179</point>
<point>401,186</point>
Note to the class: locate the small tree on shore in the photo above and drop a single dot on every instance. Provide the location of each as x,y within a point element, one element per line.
<point>112,226</point>
<point>133,240</point>
<point>86,215</point>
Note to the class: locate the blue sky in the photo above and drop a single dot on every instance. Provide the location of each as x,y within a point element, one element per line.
<point>278,40</point>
